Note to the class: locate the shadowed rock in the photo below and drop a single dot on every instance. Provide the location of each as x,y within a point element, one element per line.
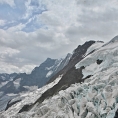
<point>70,76</point>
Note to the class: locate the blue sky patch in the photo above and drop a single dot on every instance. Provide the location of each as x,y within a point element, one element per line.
<point>16,15</point>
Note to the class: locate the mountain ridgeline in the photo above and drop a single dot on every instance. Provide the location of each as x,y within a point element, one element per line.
<point>70,75</point>
<point>38,77</point>
<point>43,75</point>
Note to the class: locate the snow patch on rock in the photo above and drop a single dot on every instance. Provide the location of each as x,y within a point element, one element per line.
<point>17,82</point>
<point>93,47</point>
<point>49,74</point>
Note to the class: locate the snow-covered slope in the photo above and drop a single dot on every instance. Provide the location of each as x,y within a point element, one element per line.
<point>96,97</point>
<point>94,47</point>
<point>26,98</point>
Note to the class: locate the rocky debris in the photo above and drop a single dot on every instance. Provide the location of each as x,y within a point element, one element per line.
<point>99,61</point>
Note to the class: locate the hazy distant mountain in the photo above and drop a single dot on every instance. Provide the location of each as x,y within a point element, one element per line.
<point>5,78</point>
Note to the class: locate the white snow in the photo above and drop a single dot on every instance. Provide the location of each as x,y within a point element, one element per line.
<point>12,94</point>
<point>3,83</point>
<point>90,70</point>
<point>94,46</point>
<point>31,88</point>
<point>109,55</point>
<point>49,74</point>
<point>17,83</point>
<point>55,66</point>
<point>49,68</point>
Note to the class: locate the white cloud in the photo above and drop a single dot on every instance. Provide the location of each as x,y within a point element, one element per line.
<point>2,22</point>
<point>27,68</point>
<point>16,28</point>
<point>10,68</point>
<point>62,11</point>
<point>28,9</point>
<point>9,2</point>
<point>4,51</point>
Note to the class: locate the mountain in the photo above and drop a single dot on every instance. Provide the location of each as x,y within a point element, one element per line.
<point>5,78</point>
<point>69,75</point>
<point>78,55</point>
<point>38,77</point>
<point>89,90</point>
<point>13,84</point>
<point>50,66</point>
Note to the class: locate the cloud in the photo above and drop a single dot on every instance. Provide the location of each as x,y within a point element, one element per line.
<point>42,29</point>
<point>95,21</point>
<point>9,2</point>
<point>33,8</point>
<point>18,27</point>
<point>21,48</point>
<point>2,22</point>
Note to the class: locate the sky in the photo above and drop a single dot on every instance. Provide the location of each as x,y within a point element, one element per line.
<point>32,30</point>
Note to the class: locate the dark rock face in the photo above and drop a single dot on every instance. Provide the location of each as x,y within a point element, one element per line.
<point>116,114</point>
<point>99,61</point>
<point>65,82</point>
<point>87,77</point>
<point>4,101</point>
<point>10,104</point>
<point>76,57</point>
<point>25,108</point>
<point>70,76</point>
<point>38,75</point>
